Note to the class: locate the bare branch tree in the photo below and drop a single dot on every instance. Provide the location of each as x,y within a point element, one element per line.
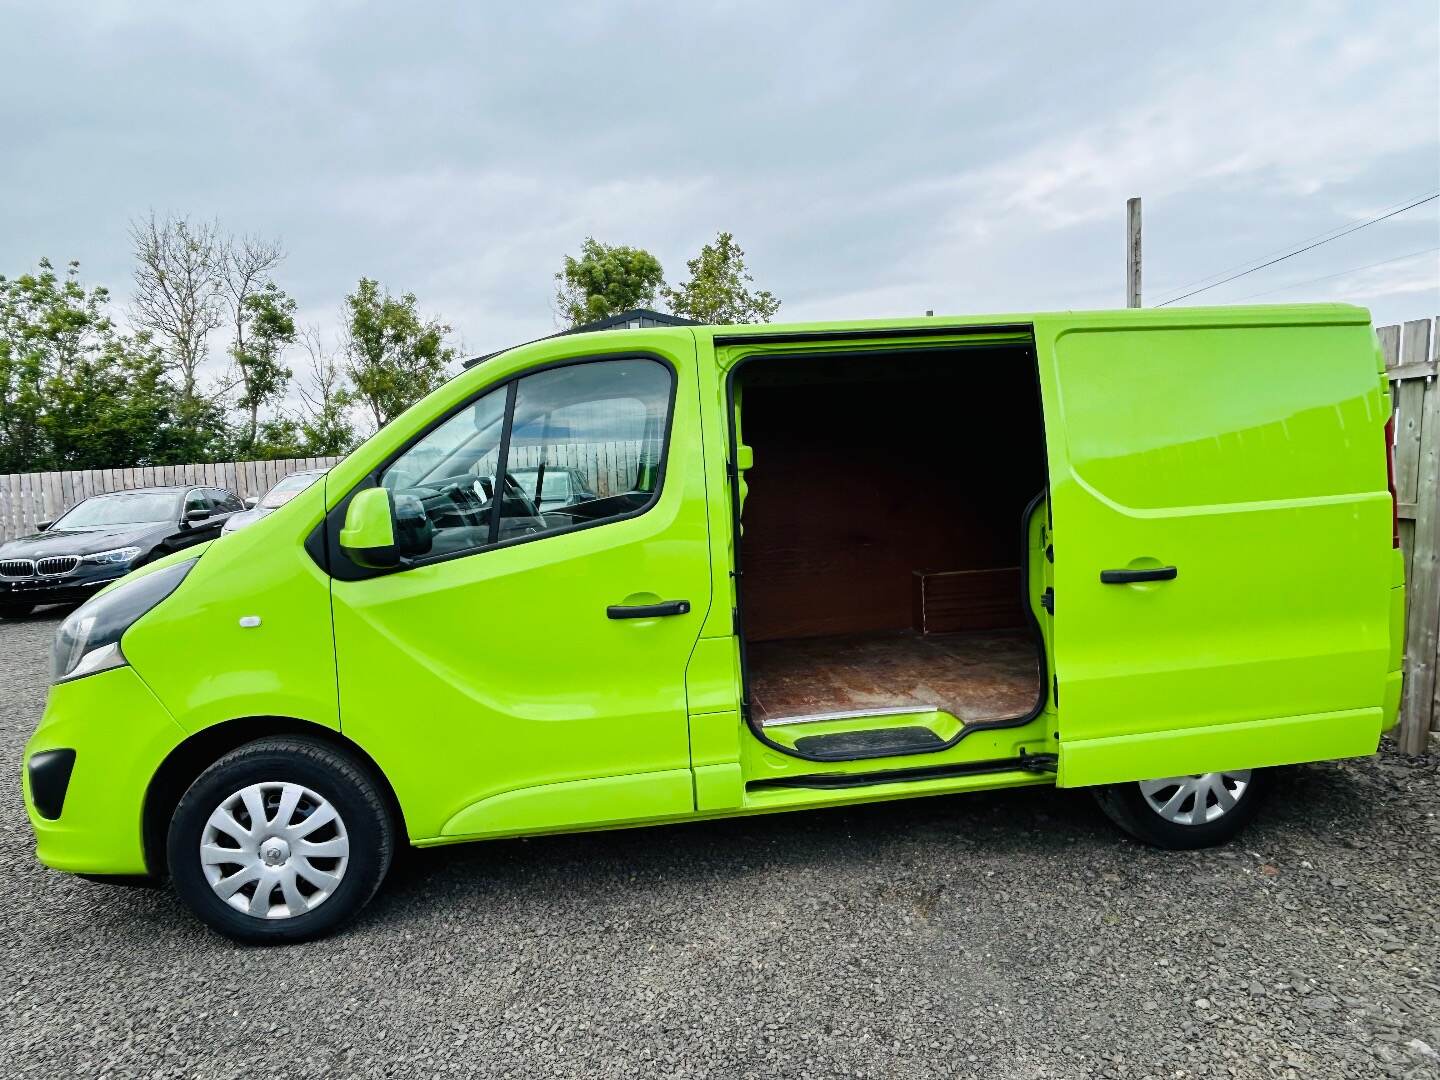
<point>245,264</point>
<point>178,278</point>
<point>325,400</point>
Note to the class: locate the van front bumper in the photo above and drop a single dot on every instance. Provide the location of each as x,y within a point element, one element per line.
<point>87,768</point>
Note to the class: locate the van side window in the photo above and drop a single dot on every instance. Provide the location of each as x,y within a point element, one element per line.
<point>586,444</point>
<point>568,446</point>
<point>449,473</point>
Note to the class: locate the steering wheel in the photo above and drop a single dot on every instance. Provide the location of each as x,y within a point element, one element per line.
<point>472,509</point>
<point>475,499</point>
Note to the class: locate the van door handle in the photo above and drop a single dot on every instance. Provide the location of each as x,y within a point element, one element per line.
<point>1128,577</point>
<point>648,611</point>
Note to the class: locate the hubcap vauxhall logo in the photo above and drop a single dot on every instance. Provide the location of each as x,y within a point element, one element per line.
<point>274,853</point>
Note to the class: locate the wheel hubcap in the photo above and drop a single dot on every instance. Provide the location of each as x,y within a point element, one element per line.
<point>1196,799</point>
<point>274,851</point>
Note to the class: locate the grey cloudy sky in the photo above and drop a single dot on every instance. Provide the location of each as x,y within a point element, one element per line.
<point>873,160</point>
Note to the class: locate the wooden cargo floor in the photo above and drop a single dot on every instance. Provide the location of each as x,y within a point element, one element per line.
<point>973,676</point>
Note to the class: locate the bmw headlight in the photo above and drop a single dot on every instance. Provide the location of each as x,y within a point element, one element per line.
<point>115,556</point>
<point>89,640</point>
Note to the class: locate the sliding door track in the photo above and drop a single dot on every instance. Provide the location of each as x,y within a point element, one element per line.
<point>1030,763</point>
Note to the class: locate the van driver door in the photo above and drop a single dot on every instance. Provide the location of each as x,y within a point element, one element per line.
<point>528,671</point>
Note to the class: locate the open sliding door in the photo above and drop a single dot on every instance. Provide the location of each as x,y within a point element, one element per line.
<point>1222,539</point>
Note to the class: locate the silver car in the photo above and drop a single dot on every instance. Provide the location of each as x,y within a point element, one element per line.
<point>272,500</point>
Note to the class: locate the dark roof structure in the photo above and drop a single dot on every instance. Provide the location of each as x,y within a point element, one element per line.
<point>634,319</point>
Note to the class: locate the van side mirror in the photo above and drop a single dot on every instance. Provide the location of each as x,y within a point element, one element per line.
<point>368,535</point>
<point>382,529</point>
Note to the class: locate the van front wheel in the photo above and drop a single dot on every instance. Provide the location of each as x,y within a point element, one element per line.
<point>281,840</point>
<point>1184,812</point>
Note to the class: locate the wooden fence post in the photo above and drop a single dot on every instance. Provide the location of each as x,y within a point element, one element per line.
<point>1416,397</point>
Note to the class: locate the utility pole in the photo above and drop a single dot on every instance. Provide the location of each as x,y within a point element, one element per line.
<point>1132,252</point>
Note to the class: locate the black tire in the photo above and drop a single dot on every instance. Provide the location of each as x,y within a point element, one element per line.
<point>322,769</point>
<point>11,610</point>
<point>1126,806</point>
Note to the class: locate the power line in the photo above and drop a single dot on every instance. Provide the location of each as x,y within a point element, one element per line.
<point>1266,254</point>
<point>1300,250</point>
<point>1342,273</point>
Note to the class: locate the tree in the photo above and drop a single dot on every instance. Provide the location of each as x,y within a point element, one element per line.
<point>267,316</point>
<point>75,393</point>
<point>112,407</point>
<point>718,290</point>
<point>393,356</point>
<point>278,437</point>
<point>178,281</point>
<point>325,426</point>
<point>257,308</point>
<point>604,281</point>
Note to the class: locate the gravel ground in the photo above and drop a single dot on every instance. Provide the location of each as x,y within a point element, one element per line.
<point>1006,935</point>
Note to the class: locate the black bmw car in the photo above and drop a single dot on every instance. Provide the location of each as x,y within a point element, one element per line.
<point>105,537</point>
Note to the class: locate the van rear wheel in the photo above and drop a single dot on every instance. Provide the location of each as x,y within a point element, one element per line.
<point>281,840</point>
<point>1184,812</point>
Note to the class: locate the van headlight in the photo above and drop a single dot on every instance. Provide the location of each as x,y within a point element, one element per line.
<point>89,640</point>
<point>113,557</point>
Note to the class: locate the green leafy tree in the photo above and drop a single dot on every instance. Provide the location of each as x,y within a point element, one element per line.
<point>112,407</point>
<point>265,329</point>
<point>279,437</point>
<point>393,356</point>
<point>718,290</point>
<point>606,280</point>
<point>75,393</point>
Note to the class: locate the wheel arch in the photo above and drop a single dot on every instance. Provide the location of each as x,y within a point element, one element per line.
<point>197,753</point>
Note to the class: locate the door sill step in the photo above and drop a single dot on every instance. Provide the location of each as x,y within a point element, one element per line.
<point>827,781</point>
<point>874,743</point>
<point>850,714</point>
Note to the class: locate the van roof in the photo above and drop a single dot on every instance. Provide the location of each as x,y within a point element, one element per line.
<point>1242,315</point>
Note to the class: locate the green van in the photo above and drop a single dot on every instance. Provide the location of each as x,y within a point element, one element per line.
<point>1152,553</point>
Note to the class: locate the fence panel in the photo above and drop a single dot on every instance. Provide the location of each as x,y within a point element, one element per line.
<point>26,499</point>
<point>1411,353</point>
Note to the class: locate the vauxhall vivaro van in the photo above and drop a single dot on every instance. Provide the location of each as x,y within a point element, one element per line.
<point>1149,552</point>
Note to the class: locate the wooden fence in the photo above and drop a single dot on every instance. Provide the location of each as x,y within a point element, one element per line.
<point>1410,362</point>
<point>29,498</point>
